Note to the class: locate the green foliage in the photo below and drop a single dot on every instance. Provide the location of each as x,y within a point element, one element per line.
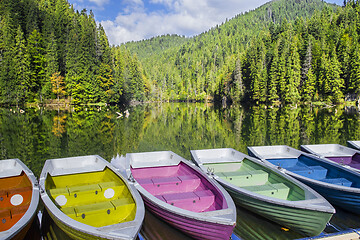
<point>286,51</point>
<point>41,38</point>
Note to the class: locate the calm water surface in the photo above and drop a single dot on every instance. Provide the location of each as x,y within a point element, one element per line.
<point>39,134</point>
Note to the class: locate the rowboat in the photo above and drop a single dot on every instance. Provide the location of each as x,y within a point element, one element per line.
<point>348,157</point>
<point>265,190</point>
<point>88,199</point>
<point>354,144</point>
<point>19,199</point>
<point>177,192</point>
<point>339,185</point>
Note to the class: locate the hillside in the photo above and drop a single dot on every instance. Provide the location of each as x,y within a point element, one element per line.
<point>51,53</point>
<point>236,61</point>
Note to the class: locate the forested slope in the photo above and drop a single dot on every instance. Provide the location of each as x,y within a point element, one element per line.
<point>50,51</point>
<point>286,51</point>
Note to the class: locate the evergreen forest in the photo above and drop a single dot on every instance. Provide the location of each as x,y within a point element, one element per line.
<point>284,52</point>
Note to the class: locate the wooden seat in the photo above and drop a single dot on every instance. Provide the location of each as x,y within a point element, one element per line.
<point>245,178</point>
<point>276,190</point>
<point>197,201</point>
<point>168,185</point>
<point>338,181</point>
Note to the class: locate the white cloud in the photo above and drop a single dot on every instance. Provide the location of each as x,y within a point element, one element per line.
<point>100,3</point>
<point>183,17</point>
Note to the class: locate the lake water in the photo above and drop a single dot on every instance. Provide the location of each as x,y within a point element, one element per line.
<point>39,134</point>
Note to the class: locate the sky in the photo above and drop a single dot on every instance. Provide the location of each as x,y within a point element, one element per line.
<point>134,20</point>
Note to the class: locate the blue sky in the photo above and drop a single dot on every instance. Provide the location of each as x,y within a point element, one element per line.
<point>133,20</point>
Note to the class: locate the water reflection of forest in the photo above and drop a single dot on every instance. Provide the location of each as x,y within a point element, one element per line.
<point>38,134</point>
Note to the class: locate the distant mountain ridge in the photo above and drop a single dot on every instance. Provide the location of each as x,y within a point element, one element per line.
<point>223,62</point>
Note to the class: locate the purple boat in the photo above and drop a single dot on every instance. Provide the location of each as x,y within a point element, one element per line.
<point>179,193</point>
<point>348,157</point>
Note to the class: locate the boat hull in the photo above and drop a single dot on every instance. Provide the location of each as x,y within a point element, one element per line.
<point>72,233</point>
<point>307,222</point>
<point>19,194</point>
<point>197,229</point>
<point>343,198</point>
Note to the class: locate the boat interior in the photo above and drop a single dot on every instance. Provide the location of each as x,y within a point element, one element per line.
<point>258,179</point>
<point>180,186</point>
<point>322,171</point>
<point>352,161</point>
<point>97,198</point>
<point>15,198</point>
<point>336,153</point>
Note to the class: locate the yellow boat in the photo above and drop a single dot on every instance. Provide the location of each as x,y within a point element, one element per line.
<point>88,199</point>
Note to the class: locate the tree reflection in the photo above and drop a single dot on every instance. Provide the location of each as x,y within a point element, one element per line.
<point>40,134</point>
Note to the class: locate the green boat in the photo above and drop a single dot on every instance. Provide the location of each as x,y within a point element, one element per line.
<point>266,191</point>
<point>88,199</point>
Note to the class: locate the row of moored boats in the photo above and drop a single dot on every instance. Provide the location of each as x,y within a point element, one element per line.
<point>89,198</point>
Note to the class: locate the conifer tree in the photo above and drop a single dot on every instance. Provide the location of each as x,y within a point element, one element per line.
<point>307,75</point>
<point>21,69</point>
<point>354,80</point>
<point>37,65</point>
<point>274,76</point>
<point>336,82</point>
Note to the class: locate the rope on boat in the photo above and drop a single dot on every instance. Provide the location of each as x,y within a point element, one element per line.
<point>331,225</point>
<point>356,231</point>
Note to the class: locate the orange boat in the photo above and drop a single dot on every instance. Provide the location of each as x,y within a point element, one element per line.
<point>19,198</point>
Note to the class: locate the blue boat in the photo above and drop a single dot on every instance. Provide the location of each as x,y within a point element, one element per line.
<point>339,185</point>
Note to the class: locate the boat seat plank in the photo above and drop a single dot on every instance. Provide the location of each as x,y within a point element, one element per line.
<point>284,162</point>
<point>277,190</point>
<point>19,190</point>
<point>197,201</point>
<point>21,209</point>
<point>355,165</point>
<point>6,221</point>
<point>166,180</point>
<point>121,202</point>
<point>245,178</point>
<point>4,213</point>
<point>84,188</point>
<point>313,172</point>
<point>95,208</point>
<point>25,192</point>
<point>338,181</point>
<point>167,185</point>
<point>59,191</point>
<point>341,159</point>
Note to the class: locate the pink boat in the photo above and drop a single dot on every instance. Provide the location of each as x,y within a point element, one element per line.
<point>177,192</point>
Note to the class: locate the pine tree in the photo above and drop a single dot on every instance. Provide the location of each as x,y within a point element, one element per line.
<point>52,65</point>
<point>21,69</point>
<point>354,80</point>
<point>293,74</point>
<point>307,76</point>
<point>274,76</point>
<point>238,93</point>
<point>7,54</point>
<point>37,66</point>
<point>336,82</point>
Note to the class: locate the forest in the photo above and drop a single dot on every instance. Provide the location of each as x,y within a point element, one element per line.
<point>49,51</point>
<point>284,52</point>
